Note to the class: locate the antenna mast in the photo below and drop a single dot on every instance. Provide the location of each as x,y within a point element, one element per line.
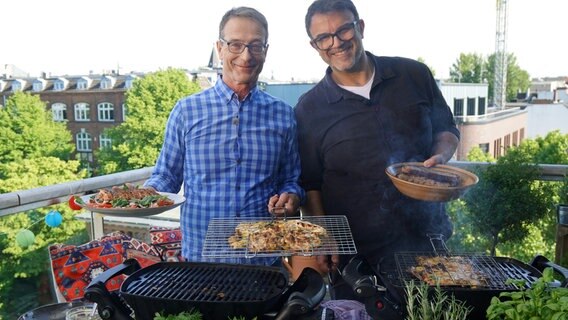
<point>500,81</point>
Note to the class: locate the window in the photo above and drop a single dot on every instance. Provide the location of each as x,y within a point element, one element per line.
<point>516,138</point>
<point>37,86</point>
<point>507,143</point>
<point>59,85</point>
<point>124,112</point>
<point>481,103</point>
<point>129,82</point>
<point>107,82</point>
<point>85,156</point>
<point>104,141</point>
<point>458,107</point>
<point>484,147</point>
<point>497,148</point>
<point>59,112</point>
<point>82,85</point>
<point>16,86</point>
<point>82,111</point>
<point>105,111</point>
<point>470,106</point>
<point>84,142</point>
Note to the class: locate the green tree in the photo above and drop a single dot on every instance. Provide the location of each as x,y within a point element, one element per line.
<point>28,131</point>
<point>518,80</point>
<point>468,68</point>
<point>551,149</point>
<point>475,154</point>
<point>507,200</point>
<point>136,143</point>
<point>474,68</point>
<point>34,152</point>
<point>29,267</point>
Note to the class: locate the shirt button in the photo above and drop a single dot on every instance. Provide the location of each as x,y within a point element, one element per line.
<point>236,121</point>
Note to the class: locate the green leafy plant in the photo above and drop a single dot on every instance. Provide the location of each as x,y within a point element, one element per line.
<point>425,304</point>
<point>540,301</point>
<point>191,315</point>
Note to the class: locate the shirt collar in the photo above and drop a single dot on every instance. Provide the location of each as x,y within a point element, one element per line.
<point>383,71</point>
<point>227,94</point>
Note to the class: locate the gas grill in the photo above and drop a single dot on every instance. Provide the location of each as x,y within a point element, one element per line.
<point>217,291</point>
<point>382,287</point>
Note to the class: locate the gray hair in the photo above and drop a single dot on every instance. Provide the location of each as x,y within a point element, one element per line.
<point>244,12</point>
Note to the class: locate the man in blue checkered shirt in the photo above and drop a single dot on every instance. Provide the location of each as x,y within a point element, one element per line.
<point>233,146</point>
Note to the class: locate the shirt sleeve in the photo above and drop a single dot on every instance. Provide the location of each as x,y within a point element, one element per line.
<point>290,164</point>
<point>441,114</point>
<point>308,146</point>
<point>167,175</point>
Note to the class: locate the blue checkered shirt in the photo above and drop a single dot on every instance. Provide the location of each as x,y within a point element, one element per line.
<point>231,157</point>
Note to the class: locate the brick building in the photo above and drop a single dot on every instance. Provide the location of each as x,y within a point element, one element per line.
<point>88,104</point>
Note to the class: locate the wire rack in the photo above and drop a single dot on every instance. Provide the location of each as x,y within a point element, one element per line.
<point>339,239</point>
<point>483,268</point>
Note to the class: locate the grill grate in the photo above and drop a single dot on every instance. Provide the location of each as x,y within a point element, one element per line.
<point>491,274</point>
<point>339,239</point>
<point>208,283</point>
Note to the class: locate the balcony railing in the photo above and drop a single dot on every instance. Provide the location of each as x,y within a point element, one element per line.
<point>24,200</point>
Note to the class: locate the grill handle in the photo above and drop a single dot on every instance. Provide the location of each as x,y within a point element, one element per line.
<point>438,243</point>
<point>109,305</point>
<point>541,262</point>
<point>307,292</point>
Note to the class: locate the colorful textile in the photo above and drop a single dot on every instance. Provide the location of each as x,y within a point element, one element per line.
<point>167,242</point>
<point>74,267</point>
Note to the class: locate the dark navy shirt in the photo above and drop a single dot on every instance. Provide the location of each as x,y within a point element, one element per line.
<point>346,141</point>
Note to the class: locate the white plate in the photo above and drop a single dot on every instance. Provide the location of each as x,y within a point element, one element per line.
<point>134,212</point>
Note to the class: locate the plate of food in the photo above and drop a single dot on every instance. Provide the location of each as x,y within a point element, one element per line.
<point>130,201</point>
<point>439,183</point>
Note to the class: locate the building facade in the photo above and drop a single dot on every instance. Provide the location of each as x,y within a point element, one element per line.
<point>88,104</point>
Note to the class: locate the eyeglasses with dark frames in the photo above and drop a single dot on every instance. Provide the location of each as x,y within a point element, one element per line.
<point>238,47</point>
<point>325,41</point>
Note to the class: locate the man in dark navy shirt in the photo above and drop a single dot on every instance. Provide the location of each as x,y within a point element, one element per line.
<point>366,113</point>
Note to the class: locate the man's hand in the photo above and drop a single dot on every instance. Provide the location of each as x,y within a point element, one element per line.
<point>434,160</point>
<point>327,264</point>
<point>445,145</point>
<point>283,204</point>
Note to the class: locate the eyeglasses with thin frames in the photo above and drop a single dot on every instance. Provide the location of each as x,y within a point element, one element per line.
<point>345,33</point>
<point>238,47</point>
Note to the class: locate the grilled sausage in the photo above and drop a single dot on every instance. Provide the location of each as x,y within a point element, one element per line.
<point>428,176</point>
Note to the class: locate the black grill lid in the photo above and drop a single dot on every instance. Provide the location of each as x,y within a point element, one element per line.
<point>206,282</point>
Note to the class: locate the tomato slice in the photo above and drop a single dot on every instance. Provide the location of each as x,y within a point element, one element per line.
<point>73,205</point>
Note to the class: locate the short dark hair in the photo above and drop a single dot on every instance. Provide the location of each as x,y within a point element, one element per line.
<point>325,6</point>
<point>244,12</point>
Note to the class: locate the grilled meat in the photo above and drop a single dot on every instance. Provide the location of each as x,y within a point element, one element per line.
<point>295,235</point>
<point>429,177</point>
<point>447,271</point>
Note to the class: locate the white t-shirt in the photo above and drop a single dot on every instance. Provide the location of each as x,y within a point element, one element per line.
<point>364,90</point>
